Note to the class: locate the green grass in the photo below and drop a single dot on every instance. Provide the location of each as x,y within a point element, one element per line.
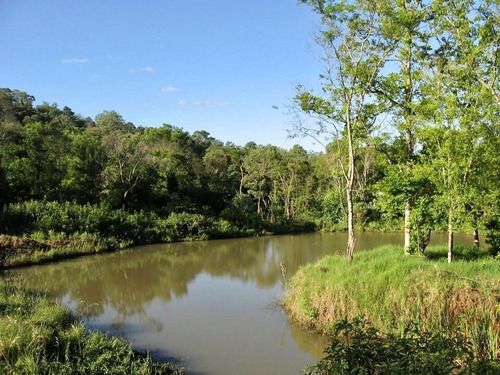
<point>40,337</point>
<point>394,291</point>
<point>23,251</point>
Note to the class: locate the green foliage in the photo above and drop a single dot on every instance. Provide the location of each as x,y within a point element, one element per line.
<point>358,348</point>
<point>242,212</point>
<point>333,209</point>
<point>493,236</point>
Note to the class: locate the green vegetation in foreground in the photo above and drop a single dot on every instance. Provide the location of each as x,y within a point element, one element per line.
<point>394,292</point>
<point>358,348</point>
<point>40,337</point>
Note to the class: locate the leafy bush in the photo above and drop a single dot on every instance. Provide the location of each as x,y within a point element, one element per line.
<point>493,236</point>
<point>242,213</point>
<point>358,348</point>
<point>181,226</point>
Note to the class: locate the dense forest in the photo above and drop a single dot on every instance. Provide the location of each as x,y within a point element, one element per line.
<point>63,174</point>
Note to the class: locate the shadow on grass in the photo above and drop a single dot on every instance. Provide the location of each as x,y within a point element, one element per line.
<point>460,252</point>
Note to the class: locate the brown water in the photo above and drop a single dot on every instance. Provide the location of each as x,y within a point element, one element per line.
<point>210,306</point>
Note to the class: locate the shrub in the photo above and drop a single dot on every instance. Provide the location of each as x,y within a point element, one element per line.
<point>493,236</point>
<point>358,348</point>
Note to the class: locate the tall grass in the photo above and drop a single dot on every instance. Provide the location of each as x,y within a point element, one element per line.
<point>39,337</point>
<point>394,291</point>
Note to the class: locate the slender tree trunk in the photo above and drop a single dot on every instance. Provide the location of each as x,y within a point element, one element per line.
<point>476,237</point>
<point>409,166</point>
<point>450,240</point>
<point>407,228</point>
<point>242,174</point>
<point>351,241</point>
<point>427,239</point>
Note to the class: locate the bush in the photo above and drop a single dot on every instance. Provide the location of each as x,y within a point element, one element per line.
<point>179,226</point>
<point>358,348</point>
<point>493,236</point>
<point>44,219</point>
<point>242,213</point>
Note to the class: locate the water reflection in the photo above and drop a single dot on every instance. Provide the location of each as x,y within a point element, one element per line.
<point>127,280</point>
<point>205,301</point>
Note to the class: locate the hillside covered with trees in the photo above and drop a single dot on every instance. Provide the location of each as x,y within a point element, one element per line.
<point>64,175</point>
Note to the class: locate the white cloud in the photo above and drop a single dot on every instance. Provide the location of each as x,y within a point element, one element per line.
<point>170,89</point>
<point>148,69</point>
<point>181,102</point>
<point>95,76</point>
<point>208,102</point>
<point>74,61</point>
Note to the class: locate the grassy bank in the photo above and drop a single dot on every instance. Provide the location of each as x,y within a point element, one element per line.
<point>40,337</point>
<point>37,231</point>
<point>23,251</point>
<point>393,292</point>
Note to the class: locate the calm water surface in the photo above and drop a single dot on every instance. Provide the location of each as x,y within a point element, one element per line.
<point>210,306</point>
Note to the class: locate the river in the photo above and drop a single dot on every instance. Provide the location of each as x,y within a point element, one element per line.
<point>208,306</point>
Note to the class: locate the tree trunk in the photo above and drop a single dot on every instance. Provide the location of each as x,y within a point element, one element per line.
<point>242,175</point>
<point>476,237</point>
<point>351,241</point>
<point>427,239</point>
<point>450,241</point>
<point>407,228</point>
<point>409,167</point>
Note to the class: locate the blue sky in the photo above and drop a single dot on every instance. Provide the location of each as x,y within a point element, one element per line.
<point>218,66</point>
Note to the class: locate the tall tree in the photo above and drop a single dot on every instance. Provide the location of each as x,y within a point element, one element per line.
<point>464,93</point>
<point>404,25</point>
<point>354,52</point>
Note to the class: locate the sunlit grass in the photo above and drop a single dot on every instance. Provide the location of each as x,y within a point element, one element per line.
<point>392,291</point>
<point>40,337</point>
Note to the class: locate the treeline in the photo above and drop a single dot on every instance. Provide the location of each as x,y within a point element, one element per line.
<point>50,154</point>
<point>62,174</point>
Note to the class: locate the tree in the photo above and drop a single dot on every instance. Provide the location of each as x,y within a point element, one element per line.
<point>15,105</point>
<point>259,165</point>
<point>129,158</point>
<point>404,25</point>
<point>462,104</point>
<point>86,160</point>
<point>354,52</point>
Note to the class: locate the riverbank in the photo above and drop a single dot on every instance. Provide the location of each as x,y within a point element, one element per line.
<point>35,231</point>
<point>392,292</point>
<point>23,251</point>
<point>40,337</point>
